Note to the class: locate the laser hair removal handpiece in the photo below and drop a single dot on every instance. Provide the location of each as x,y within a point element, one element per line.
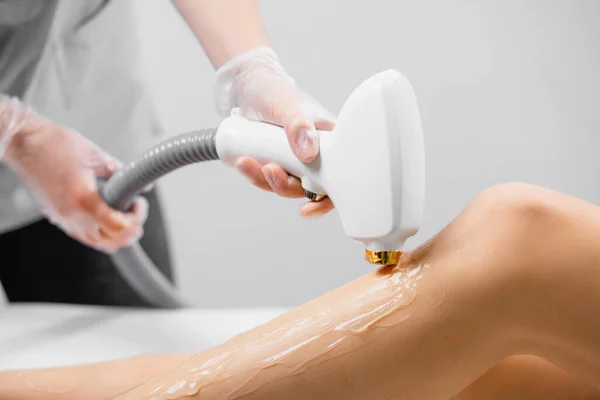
<point>372,166</point>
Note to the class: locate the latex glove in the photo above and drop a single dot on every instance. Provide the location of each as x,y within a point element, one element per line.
<point>60,167</point>
<point>257,84</point>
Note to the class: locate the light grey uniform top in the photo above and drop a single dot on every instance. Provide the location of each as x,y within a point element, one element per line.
<point>74,62</point>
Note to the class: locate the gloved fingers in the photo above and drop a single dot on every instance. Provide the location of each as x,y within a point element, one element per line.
<point>303,139</point>
<point>82,238</point>
<point>110,221</point>
<point>104,166</point>
<point>316,209</point>
<point>301,124</point>
<point>105,245</point>
<point>252,171</point>
<point>95,242</point>
<point>325,124</point>
<point>128,238</point>
<point>109,243</point>
<point>323,119</point>
<point>138,215</point>
<point>82,228</point>
<point>278,100</point>
<point>114,240</point>
<point>269,177</point>
<point>281,182</point>
<point>139,211</point>
<point>105,236</point>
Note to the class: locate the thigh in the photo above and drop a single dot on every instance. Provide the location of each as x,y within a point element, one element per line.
<point>49,266</point>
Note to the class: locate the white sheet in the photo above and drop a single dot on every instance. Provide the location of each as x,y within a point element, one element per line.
<point>40,335</point>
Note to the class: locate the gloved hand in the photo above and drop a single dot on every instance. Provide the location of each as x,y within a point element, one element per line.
<point>60,168</point>
<point>256,83</point>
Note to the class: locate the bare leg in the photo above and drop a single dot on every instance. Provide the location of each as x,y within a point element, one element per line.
<point>516,378</point>
<point>494,289</point>
<point>93,381</point>
<point>511,275</point>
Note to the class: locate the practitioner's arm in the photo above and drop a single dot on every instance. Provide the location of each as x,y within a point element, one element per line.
<point>251,78</point>
<point>225,28</point>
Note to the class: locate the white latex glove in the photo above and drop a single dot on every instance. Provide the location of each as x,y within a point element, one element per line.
<point>60,167</point>
<point>256,83</point>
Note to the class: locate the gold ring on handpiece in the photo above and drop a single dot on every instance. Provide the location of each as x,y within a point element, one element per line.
<point>384,257</point>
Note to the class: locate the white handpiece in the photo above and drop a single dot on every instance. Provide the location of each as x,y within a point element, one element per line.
<point>372,165</point>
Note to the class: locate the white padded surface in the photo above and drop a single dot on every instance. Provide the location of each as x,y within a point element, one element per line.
<point>41,335</point>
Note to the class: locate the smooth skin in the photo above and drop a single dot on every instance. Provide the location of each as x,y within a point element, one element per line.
<point>512,283</point>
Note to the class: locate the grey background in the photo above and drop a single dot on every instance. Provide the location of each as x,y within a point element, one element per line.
<point>508,91</point>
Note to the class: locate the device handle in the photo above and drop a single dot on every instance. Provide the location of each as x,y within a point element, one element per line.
<point>240,137</point>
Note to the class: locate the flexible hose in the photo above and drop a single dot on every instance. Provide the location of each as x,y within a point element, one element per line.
<point>122,188</point>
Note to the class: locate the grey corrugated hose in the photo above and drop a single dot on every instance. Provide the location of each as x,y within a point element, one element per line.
<point>122,188</point>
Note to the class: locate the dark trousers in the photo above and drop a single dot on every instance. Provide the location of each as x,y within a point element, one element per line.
<point>42,264</point>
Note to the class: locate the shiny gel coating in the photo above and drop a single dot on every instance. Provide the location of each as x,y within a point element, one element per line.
<point>233,369</point>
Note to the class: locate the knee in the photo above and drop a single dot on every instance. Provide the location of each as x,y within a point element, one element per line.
<point>499,220</point>
<point>509,218</point>
<point>520,205</point>
<point>505,220</point>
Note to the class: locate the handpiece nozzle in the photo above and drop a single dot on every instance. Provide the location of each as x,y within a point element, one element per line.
<point>383,257</point>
